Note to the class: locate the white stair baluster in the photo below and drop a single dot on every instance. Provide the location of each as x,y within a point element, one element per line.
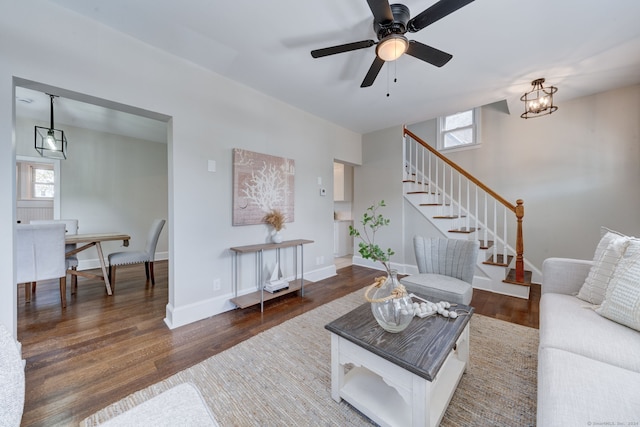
<point>485,217</point>
<point>504,237</point>
<point>495,230</point>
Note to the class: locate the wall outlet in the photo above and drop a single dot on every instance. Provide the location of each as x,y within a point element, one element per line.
<point>323,191</point>
<point>216,284</point>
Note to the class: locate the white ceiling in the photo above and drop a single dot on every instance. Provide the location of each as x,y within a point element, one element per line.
<point>36,105</point>
<point>498,47</point>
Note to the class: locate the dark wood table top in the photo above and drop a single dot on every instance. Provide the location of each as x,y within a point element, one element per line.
<point>421,348</point>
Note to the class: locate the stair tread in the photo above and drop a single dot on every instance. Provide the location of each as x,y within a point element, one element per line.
<point>511,278</point>
<point>499,260</point>
<point>449,216</point>
<point>464,230</point>
<point>487,246</point>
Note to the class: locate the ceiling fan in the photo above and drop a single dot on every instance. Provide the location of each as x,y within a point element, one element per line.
<point>390,23</point>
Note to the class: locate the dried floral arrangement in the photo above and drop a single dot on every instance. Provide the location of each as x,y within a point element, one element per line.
<point>275,218</point>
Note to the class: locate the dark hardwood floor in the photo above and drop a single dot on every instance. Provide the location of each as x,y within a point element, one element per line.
<point>100,349</point>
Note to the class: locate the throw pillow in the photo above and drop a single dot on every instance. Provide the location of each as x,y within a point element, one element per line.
<point>610,249</point>
<point>622,299</point>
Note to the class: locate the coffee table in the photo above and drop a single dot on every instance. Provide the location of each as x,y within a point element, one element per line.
<point>402,379</point>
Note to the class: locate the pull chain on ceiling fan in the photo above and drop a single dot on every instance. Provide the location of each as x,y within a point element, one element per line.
<point>391,23</point>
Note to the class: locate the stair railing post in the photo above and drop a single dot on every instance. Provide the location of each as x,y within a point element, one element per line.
<point>404,157</point>
<point>519,242</point>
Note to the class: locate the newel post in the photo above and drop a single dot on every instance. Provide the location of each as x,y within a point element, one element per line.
<point>519,242</point>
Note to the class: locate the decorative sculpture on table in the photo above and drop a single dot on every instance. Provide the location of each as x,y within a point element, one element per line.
<point>263,186</point>
<point>390,303</point>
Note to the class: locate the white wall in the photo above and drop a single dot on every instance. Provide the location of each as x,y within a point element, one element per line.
<point>210,116</point>
<point>380,178</point>
<point>576,170</point>
<point>108,183</point>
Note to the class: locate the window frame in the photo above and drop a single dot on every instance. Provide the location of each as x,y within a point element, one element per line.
<point>33,182</point>
<point>474,126</point>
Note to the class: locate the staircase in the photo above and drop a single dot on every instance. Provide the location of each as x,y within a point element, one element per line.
<point>461,207</point>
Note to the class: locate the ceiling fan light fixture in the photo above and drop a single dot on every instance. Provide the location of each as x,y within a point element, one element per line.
<point>539,101</point>
<point>392,47</point>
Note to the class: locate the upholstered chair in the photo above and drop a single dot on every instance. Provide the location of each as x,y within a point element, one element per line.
<point>137,257</point>
<point>446,268</point>
<point>12,385</point>
<point>40,256</point>
<point>71,227</point>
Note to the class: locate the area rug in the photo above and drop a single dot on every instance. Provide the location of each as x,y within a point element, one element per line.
<point>283,377</point>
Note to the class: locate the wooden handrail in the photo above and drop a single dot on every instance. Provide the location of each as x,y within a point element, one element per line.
<point>517,209</point>
<point>463,172</point>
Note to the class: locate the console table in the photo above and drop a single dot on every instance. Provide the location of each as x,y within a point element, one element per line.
<point>259,296</point>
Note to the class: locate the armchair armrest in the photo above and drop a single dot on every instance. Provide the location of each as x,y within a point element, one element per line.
<point>564,275</point>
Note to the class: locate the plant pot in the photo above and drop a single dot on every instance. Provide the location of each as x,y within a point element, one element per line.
<point>393,314</point>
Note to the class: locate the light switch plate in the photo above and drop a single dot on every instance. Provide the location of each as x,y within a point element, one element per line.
<point>211,165</point>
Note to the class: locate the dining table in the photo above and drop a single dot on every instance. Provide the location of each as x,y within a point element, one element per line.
<point>88,240</point>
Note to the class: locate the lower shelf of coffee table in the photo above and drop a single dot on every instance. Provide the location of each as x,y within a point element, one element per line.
<point>253,298</point>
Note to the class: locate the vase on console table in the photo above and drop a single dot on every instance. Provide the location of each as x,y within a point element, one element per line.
<point>276,237</point>
<point>390,303</point>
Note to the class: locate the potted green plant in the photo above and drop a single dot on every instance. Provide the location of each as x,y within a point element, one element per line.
<point>391,306</point>
<point>371,222</point>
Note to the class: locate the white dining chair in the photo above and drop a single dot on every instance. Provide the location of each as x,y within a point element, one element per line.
<point>137,257</point>
<point>71,228</point>
<point>40,256</point>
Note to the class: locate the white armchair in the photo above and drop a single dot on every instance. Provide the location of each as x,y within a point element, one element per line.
<point>446,268</point>
<point>40,256</point>
<point>137,257</point>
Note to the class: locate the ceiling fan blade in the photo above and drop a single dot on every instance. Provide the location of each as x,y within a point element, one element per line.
<point>319,53</point>
<point>381,10</point>
<point>428,54</point>
<point>434,13</point>
<point>373,72</point>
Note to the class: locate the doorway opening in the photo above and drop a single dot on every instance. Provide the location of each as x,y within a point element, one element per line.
<point>342,214</point>
<point>115,177</point>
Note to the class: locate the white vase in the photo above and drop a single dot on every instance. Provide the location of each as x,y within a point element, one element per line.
<point>276,237</point>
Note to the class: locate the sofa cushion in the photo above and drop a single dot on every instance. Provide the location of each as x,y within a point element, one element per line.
<point>571,324</point>
<point>622,300</point>
<point>577,391</point>
<point>608,252</point>
<point>439,287</point>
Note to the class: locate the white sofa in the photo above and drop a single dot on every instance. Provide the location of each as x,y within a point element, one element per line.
<point>11,380</point>
<point>588,365</point>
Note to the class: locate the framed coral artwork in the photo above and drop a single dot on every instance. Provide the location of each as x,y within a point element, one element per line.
<point>261,183</point>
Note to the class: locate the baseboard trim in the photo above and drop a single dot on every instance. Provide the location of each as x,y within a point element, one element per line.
<point>189,313</point>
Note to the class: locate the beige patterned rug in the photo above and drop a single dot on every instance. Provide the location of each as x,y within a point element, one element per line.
<point>283,377</point>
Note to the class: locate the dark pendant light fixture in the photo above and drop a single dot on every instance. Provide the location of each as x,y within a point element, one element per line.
<point>51,142</point>
<point>539,101</point>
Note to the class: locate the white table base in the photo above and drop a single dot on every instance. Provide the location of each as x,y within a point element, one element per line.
<point>389,394</point>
